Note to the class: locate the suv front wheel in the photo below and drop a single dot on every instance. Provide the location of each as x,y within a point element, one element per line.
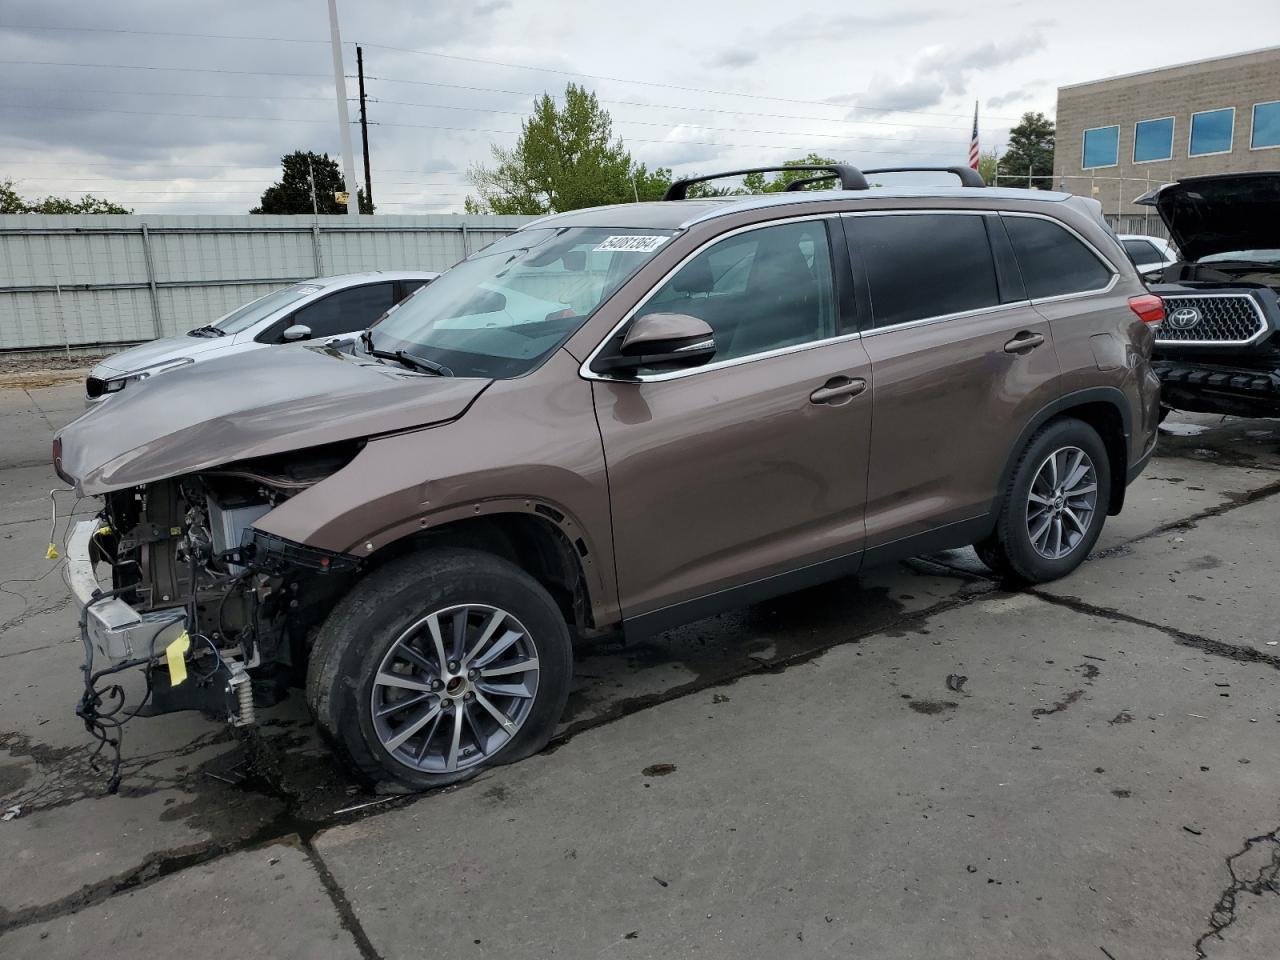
<point>1054,507</point>
<point>438,665</point>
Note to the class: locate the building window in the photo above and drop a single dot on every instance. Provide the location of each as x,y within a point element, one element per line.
<point>1101,147</point>
<point>1153,140</point>
<point>1211,132</point>
<point>1266,125</point>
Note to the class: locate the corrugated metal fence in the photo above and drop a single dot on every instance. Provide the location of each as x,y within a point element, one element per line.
<point>88,280</point>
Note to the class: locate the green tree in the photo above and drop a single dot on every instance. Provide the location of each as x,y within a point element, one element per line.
<point>10,202</point>
<point>292,194</point>
<point>987,166</point>
<point>566,158</point>
<point>757,182</point>
<point>1030,152</point>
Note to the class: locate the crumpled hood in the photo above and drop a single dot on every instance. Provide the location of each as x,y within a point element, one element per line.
<point>1218,214</point>
<point>158,351</point>
<point>249,405</point>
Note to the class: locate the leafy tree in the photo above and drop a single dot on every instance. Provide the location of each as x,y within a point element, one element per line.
<point>566,158</point>
<point>756,182</point>
<point>292,194</point>
<point>10,202</point>
<point>987,166</point>
<point>1030,150</point>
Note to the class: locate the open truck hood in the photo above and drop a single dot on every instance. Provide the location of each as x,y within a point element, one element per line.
<point>250,405</point>
<point>1218,214</point>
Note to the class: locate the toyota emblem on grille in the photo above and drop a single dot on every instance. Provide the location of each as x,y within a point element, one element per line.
<point>1184,318</point>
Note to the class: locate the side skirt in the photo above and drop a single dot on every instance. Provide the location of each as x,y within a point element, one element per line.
<point>950,536</point>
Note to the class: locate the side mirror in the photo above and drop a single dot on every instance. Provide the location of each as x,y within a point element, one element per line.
<point>299,331</point>
<point>668,340</point>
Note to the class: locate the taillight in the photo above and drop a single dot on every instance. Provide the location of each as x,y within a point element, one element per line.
<point>1149,308</point>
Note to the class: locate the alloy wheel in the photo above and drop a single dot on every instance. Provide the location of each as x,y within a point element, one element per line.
<point>1061,502</point>
<point>454,688</point>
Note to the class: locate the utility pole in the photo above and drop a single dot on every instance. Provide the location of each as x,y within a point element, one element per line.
<point>344,121</point>
<point>364,128</point>
<point>311,174</point>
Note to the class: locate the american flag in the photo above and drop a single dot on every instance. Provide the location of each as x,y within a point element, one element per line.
<point>973,141</point>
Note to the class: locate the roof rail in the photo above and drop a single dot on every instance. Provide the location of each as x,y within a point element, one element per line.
<point>850,177</point>
<point>967,175</point>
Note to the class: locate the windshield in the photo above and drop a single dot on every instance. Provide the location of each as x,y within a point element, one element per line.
<point>500,312</point>
<point>1247,256</point>
<point>255,310</point>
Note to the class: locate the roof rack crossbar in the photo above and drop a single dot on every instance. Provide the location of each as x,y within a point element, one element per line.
<point>850,177</point>
<point>967,175</point>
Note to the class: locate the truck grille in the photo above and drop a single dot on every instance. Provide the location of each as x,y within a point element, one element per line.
<point>1225,319</point>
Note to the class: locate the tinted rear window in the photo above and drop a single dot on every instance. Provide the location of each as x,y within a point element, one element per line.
<point>1052,260</point>
<point>1141,252</point>
<point>925,265</point>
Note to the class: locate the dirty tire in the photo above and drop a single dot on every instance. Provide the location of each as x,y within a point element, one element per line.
<point>366,624</point>
<point>1009,552</point>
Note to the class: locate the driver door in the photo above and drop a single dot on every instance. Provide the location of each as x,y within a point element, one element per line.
<point>745,477</point>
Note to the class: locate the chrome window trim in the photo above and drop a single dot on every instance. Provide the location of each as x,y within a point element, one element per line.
<point>1191,132</point>
<point>1084,137</point>
<point>943,317</point>
<point>1263,326</point>
<point>585,371</point>
<point>1253,125</point>
<point>1173,135</point>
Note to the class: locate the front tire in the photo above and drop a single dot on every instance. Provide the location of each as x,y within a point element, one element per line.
<point>439,665</point>
<point>1055,505</point>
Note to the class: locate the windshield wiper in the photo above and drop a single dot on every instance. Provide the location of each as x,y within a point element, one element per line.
<point>208,330</point>
<point>404,358</point>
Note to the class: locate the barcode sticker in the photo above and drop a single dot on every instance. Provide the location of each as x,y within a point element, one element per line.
<point>631,244</point>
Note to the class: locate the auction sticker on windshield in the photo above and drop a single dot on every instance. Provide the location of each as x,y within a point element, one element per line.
<point>631,244</point>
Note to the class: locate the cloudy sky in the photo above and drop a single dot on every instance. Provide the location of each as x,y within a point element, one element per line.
<point>184,107</point>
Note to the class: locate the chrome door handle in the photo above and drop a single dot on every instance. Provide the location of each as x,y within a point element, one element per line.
<point>838,388</point>
<point>1023,342</point>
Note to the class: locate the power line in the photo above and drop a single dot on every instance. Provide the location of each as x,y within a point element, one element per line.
<point>667,106</point>
<point>155,33</point>
<point>650,83</point>
<point>698,143</point>
<point>702,126</point>
<point>158,113</point>
<point>168,93</point>
<point>131,66</point>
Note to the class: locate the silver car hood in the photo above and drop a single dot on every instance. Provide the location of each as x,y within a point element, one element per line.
<point>158,351</point>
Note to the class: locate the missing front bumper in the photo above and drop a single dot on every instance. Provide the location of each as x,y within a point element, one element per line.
<point>116,631</point>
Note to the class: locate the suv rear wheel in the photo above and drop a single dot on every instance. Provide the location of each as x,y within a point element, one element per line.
<point>438,665</point>
<point>1054,507</point>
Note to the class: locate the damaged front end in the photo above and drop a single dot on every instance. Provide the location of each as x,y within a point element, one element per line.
<point>215,613</point>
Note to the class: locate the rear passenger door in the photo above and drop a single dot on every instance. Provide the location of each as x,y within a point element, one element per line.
<point>961,361</point>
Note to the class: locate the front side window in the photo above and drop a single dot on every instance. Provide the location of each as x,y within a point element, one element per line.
<point>1266,125</point>
<point>1101,147</point>
<point>925,265</point>
<point>1211,132</point>
<point>1053,261</point>
<point>347,310</point>
<point>257,310</point>
<point>760,290</point>
<point>503,310</point>
<point>1153,140</point>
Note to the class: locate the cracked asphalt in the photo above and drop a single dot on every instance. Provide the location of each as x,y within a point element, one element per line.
<point>792,779</point>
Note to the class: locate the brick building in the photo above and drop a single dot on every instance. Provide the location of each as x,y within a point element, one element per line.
<point>1117,136</point>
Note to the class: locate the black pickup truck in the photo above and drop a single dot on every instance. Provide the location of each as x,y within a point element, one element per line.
<point>1218,349</point>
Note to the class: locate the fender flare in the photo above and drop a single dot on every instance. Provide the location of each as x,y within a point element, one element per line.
<point>1113,397</point>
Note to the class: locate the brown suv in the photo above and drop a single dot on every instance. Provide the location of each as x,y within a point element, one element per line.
<point>627,417</point>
